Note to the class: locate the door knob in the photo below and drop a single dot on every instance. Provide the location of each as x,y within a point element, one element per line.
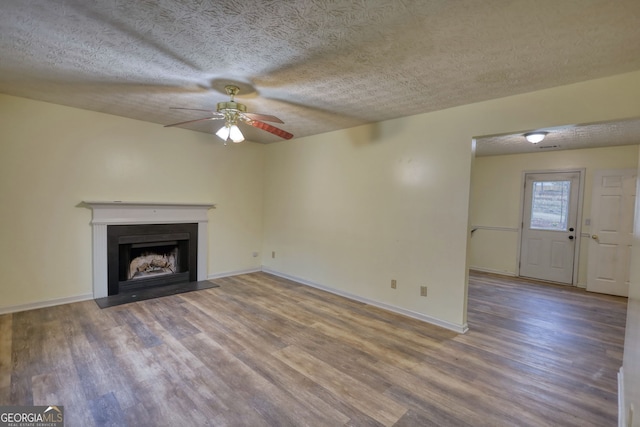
<point>594,236</point>
<point>570,237</point>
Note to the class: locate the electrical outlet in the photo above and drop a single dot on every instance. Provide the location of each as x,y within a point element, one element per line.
<point>273,254</point>
<point>423,291</point>
<point>393,284</point>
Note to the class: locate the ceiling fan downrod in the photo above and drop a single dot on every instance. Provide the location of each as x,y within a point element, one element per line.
<point>232,105</point>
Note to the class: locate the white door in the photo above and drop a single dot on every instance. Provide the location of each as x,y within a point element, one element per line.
<point>612,211</point>
<point>548,239</point>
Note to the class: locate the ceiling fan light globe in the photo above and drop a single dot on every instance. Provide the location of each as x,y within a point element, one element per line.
<point>223,132</point>
<point>235,134</point>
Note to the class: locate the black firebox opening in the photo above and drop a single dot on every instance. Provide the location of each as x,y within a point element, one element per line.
<point>150,255</point>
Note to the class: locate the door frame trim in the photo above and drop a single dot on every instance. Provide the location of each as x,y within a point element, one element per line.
<point>576,255</point>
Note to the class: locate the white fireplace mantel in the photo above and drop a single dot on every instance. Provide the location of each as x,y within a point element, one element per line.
<point>122,213</point>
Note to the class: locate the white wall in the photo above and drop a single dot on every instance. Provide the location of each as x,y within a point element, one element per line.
<point>351,210</point>
<point>496,199</point>
<point>631,363</point>
<point>54,157</point>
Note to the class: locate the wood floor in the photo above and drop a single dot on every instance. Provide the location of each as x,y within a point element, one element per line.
<point>264,351</point>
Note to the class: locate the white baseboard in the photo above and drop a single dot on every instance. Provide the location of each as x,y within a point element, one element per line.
<point>461,329</point>
<point>233,273</point>
<point>621,408</point>
<point>492,271</point>
<point>46,303</point>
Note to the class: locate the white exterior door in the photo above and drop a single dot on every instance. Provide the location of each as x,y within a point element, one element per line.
<point>548,239</point>
<point>612,211</point>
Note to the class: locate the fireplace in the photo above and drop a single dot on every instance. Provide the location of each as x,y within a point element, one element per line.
<point>150,255</point>
<point>109,214</point>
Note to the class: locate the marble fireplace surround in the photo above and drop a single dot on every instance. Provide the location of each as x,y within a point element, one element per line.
<point>125,213</point>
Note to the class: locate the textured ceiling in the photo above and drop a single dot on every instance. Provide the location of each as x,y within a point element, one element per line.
<point>592,135</point>
<point>319,65</point>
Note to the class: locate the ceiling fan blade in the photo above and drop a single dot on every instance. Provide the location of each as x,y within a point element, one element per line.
<point>274,130</point>
<point>192,121</point>
<point>263,117</point>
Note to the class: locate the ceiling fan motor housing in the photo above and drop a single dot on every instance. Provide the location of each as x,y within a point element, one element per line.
<point>222,106</point>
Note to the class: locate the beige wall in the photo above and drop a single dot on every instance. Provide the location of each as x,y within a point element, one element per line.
<point>54,157</point>
<point>351,210</point>
<point>631,365</point>
<point>354,209</point>
<point>496,199</point>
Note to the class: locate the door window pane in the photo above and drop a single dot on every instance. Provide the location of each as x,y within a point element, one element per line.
<point>550,205</point>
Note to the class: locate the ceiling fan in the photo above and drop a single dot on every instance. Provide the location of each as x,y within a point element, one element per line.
<point>233,112</point>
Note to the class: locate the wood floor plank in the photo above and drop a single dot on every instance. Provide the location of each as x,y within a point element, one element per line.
<point>6,337</point>
<point>261,350</point>
<point>263,397</point>
<point>94,359</point>
<point>324,405</point>
<point>106,411</point>
<point>237,332</point>
<point>62,388</point>
<point>28,329</point>
<point>384,410</point>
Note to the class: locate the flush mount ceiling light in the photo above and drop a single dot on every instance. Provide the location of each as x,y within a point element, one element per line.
<point>535,137</point>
